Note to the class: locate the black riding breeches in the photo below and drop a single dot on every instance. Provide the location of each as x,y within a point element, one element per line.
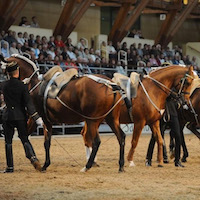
<point>21,126</point>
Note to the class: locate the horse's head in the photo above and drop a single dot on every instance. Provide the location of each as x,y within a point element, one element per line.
<point>26,66</point>
<point>183,84</point>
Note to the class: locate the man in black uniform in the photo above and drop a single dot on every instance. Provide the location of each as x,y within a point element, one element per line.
<point>18,104</point>
<point>172,104</point>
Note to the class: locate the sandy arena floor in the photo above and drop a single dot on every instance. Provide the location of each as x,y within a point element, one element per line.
<point>64,181</point>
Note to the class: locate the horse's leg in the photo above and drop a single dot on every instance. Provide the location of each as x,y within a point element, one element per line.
<point>92,135</point>
<point>31,125</point>
<point>155,128</point>
<point>135,137</point>
<point>192,127</point>
<point>47,144</point>
<point>88,145</point>
<point>114,125</point>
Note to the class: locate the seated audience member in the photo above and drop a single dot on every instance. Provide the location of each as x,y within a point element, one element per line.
<point>34,22</point>
<point>51,41</point>
<point>20,38</point>
<point>13,49</point>
<point>68,42</point>
<point>26,24</point>
<point>153,61</point>
<point>132,33</point>
<point>58,41</point>
<point>81,53</point>
<point>124,46</point>
<point>19,48</point>
<point>25,36</point>
<point>49,60</point>
<point>31,40</point>
<point>35,50</point>
<point>62,62</point>
<point>51,51</point>
<point>23,20</point>
<point>82,44</point>
<point>5,49</point>
<point>118,47</point>
<point>69,64</point>
<point>120,69</point>
<point>38,40</point>
<point>44,40</point>
<point>139,50</point>
<point>92,55</point>
<point>10,38</point>
<point>26,48</point>
<point>71,54</point>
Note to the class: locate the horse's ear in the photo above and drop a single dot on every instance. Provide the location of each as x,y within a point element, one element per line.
<point>191,68</point>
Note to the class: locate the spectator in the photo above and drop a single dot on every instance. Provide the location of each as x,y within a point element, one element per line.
<point>26,48</point>
<point>120,69</point>
<point>51,51</point>
<point>92,55</point>
<point>35,50</point>
<point>23,21</point>
<point>59,42</point>
<point>104,51</point>
<point>71,54</point>
<point>194,63</point>
<point>31,40</point>
<point>111,50</point>
<point>132,33</point>
<point>20,38</point>
<point>25,36</point>
<point>124,46</point>
<point>153,61</point>
<point>51,42</point>
<point>81,52</point>
<point>34,22</point>
<point>19,48</point>
<point>38,40</point>
<point>5,50</point>
<point>69,64</point>
<point>118,47</point>
<point>69,42</point>
<point>13,49</point>
<point>62,62</point>
<point>139,50</point>
<point>82,44</point>
<point>10,38</point>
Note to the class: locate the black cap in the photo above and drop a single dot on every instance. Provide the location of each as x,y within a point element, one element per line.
<point>12,66</point>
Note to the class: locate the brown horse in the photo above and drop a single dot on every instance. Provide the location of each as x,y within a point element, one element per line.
<point>146,109</point>
<point>82,99</point>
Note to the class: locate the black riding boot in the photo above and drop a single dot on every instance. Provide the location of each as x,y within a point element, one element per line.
<point>9,158</point>
<point>165,158</point>
<point>30,154</point>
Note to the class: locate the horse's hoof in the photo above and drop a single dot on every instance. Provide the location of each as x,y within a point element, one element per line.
<point>160,165</point>
<point>131,164</point>
<point>84,169</point>
<point>95,164</point>
<point>37,165</point>
<point>121,170</point>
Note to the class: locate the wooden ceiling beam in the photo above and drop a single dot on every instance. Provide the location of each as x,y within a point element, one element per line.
<point>76,16</point>
<point>64,17</point>
<point>162,35</point>
<point>14,11</point>
<point>4,6</point>
<point>179,21</point>
<point>120,19</point>
<point>131,19</point>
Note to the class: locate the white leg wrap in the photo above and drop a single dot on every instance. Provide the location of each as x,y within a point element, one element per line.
<point>131,164</point>
<point>88,152</point>
<point>84,169</point>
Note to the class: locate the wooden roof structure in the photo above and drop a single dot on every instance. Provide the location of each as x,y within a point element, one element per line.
<point>177,11</point>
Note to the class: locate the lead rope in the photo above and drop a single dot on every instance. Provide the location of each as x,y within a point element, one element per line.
<point>90,118</point>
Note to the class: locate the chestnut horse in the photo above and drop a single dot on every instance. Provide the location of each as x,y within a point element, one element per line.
<point>82,99</point>
<point>146,107</point>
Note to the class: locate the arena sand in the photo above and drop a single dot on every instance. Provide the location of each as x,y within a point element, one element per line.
<point>64,181</point>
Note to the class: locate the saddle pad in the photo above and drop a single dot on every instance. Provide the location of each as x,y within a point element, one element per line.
<point>65,77</point>
<point>49,74</point>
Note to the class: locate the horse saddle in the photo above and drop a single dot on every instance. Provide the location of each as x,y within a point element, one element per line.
<point>54,80</point>
<point>129,85</point>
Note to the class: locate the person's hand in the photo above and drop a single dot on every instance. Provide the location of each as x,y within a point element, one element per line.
<point>39,121</point>
<point>185,107</point>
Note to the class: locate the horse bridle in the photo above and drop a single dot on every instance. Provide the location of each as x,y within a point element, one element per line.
<point>183,82</point>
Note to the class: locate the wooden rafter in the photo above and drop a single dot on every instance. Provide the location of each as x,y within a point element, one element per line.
<point>76,16</point>
<point>179,21</point>
<point>161,37</point>
<point>120,19</point>
<point>131,19</point>
<point>64,17</point>
<point>14,11</point>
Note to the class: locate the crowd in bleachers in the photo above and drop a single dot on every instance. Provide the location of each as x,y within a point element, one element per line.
<point>54,51</point>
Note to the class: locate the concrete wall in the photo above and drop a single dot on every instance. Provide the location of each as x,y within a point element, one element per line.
<point>48,13</point>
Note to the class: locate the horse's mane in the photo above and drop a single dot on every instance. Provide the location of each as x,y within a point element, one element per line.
<point>164,69</point>
<point>26,60</point>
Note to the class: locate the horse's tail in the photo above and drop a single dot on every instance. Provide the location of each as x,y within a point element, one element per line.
<point>3,59</point>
